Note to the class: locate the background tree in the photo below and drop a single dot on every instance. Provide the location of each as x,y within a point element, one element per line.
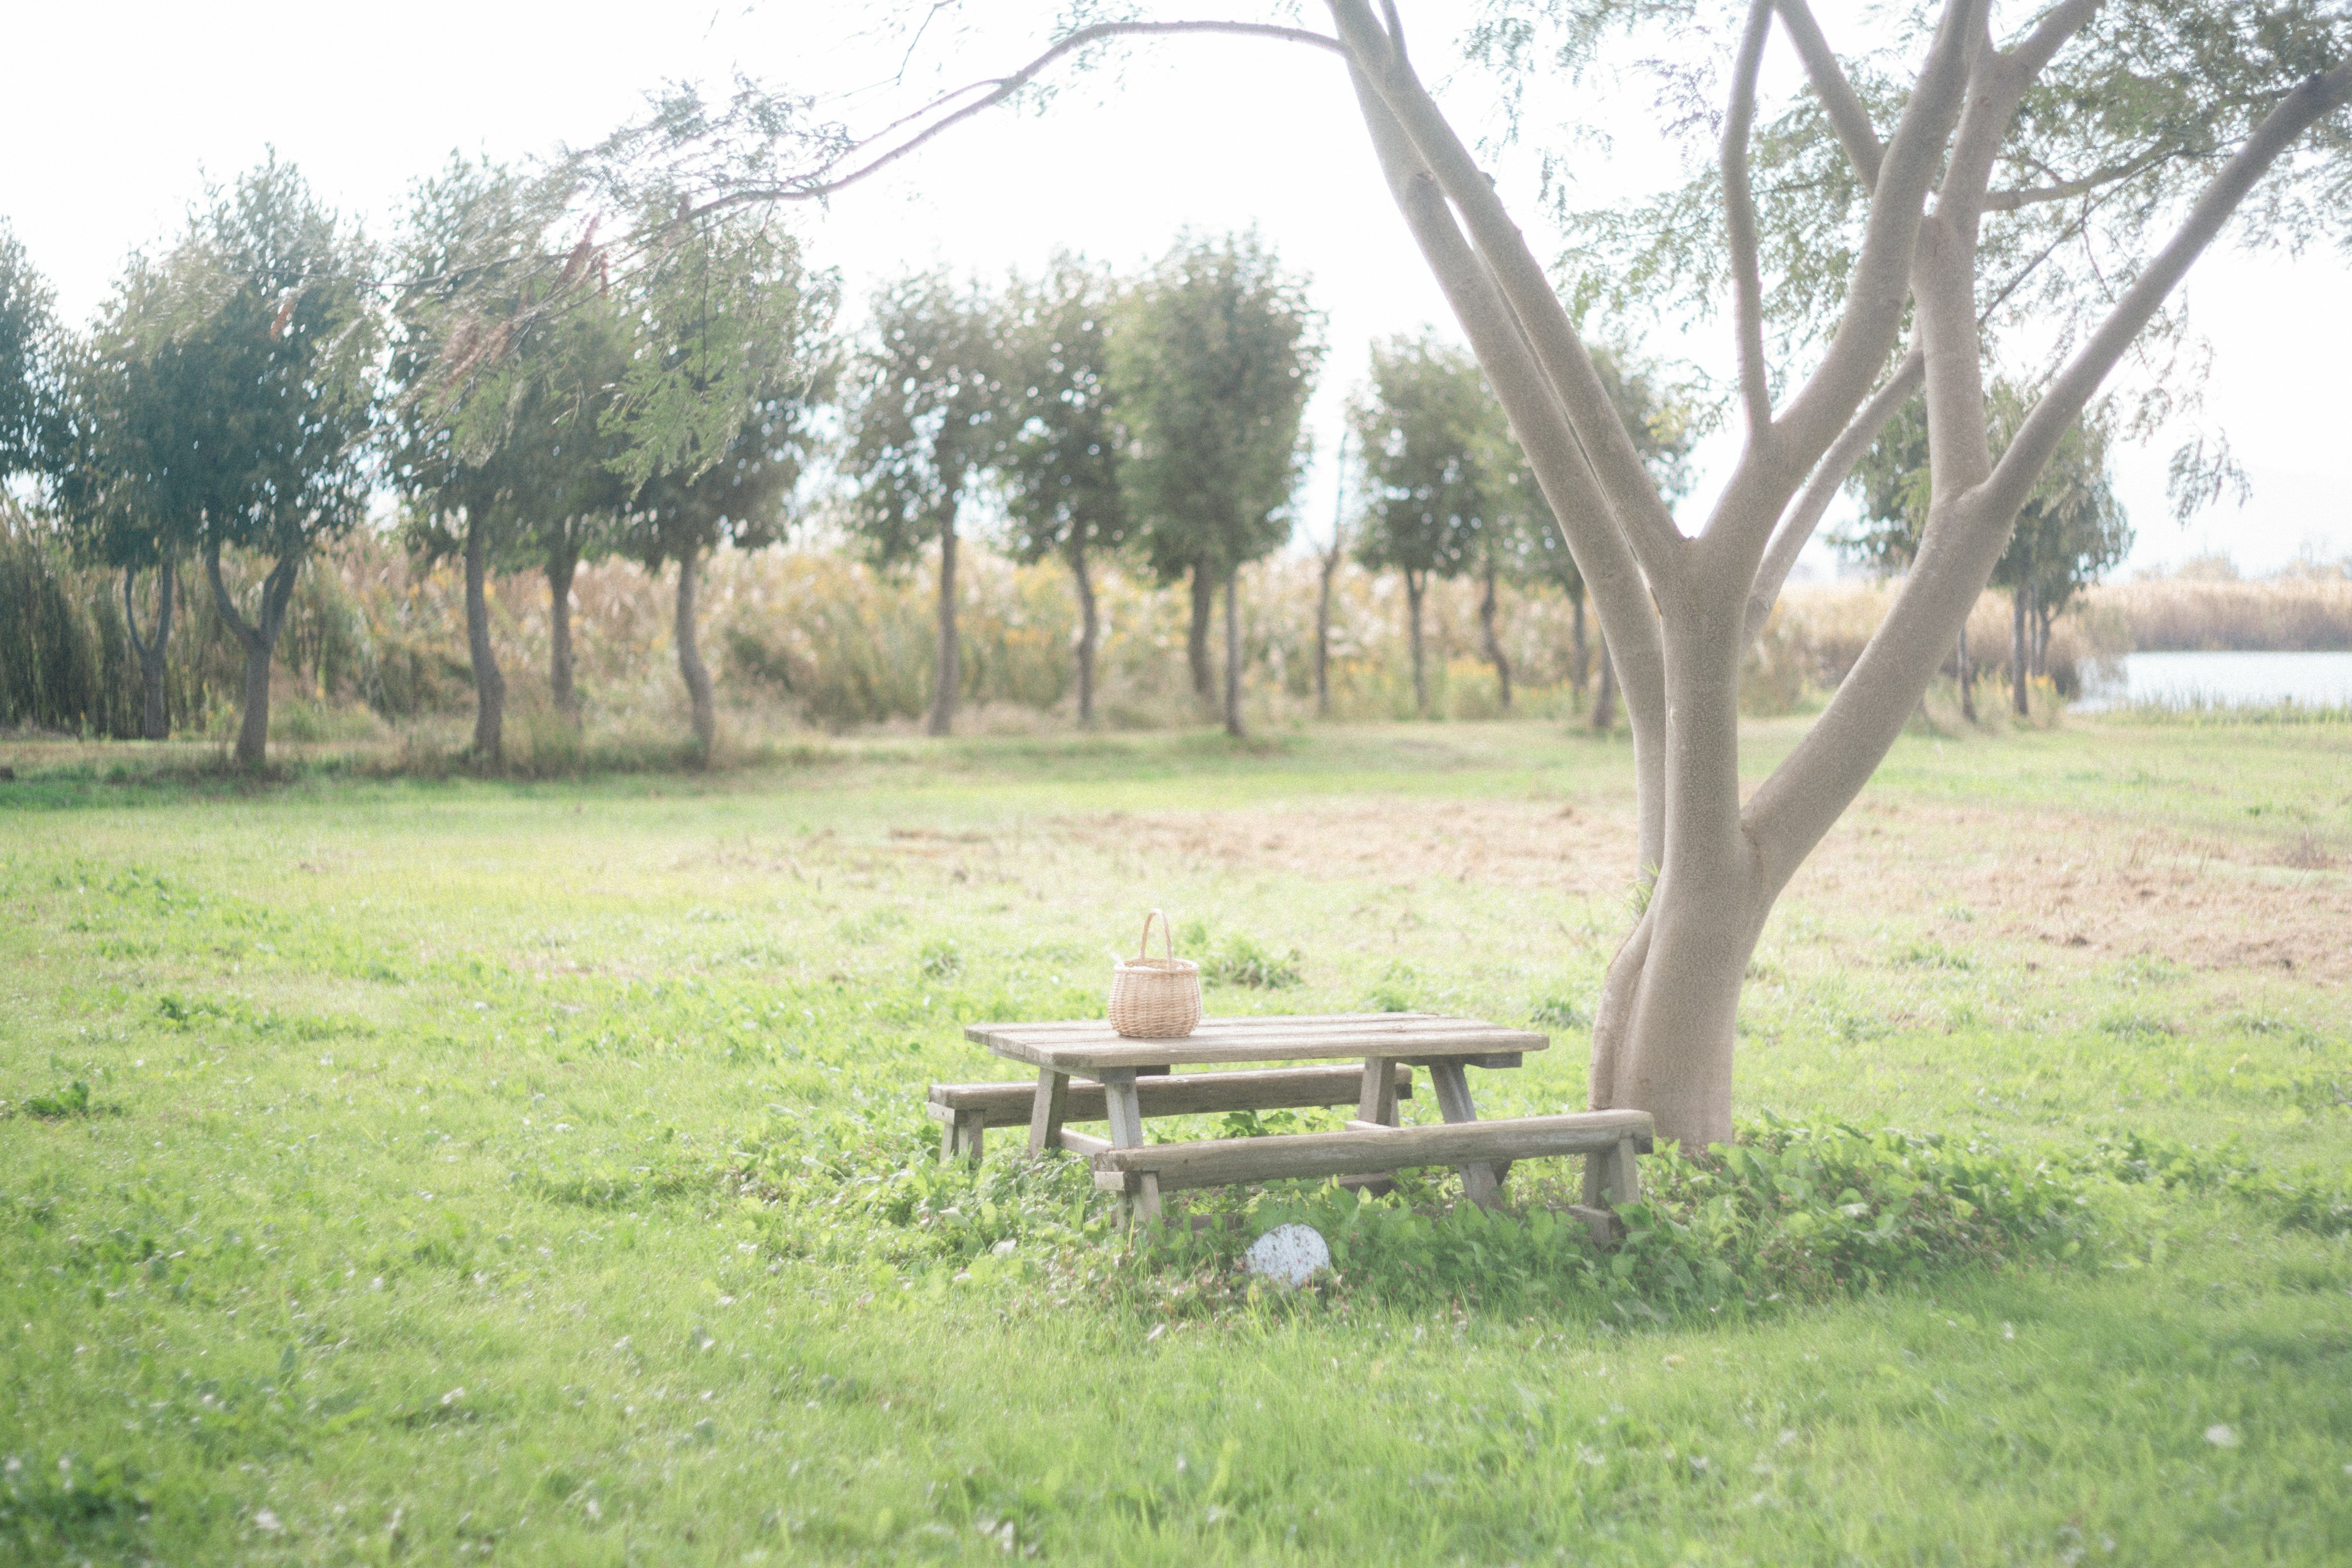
<point>259,313</point>
<point>1214,357</point>
<point>1327,559</point>
<point>28,344</point>
<point>1428,495</point>
<point>2070,532</point>
<point>466,370</point>
<point>924,423</point>
<point>1059,461</point>
<point>727,361</point>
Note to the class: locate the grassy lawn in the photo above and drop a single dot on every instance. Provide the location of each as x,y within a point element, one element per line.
<point>537,1171</point>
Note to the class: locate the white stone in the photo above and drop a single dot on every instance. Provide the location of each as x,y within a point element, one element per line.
<point>1290,1255</point>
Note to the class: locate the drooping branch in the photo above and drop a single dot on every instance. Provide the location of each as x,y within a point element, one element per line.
<point>1847,117</point>
<point>863,158</point>
<point>1804,513</point>
<point>2020,469</point>
<point>2067,190</point>
<point>1634,504</point>
<point>1739,222</point>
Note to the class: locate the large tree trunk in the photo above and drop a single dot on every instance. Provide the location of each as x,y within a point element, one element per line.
<point>1493,644</point>
<point>1323,633</point>
<point>1089,630</point>
<point>690,666</point>
<point>1580,670</point>
<point>947,679</point>
<point>1604,701</point>
<point>2018,660</point>
<point>260,641</point>
<point>1415,586</point>
<point>1196,640</point>
<point>563,562</point>
<point>489,684</point>
<point>156,724</point>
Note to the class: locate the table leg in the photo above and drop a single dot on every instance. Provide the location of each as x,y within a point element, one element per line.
<point>1046,1110</point>
<point>1127,1133</point>
<point>1378,1101</point>
<point>1612,1178</point>
<point>961,1137</point>
<point>1480,1183</point>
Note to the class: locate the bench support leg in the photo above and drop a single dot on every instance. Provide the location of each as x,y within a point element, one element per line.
<point>1127,1133</point>
<point>1479,1182</point>
<point>1046,1110</point>
<point>1611,1178</point>
<point>1378,1102</point>
<point>961,1135</point>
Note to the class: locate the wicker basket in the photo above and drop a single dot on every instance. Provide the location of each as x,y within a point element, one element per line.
<point>1155,998</point>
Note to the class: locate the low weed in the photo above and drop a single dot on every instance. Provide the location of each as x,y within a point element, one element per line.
<point>1241,962</point>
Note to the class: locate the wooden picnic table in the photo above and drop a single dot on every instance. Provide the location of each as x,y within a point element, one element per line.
<point>1135,1077</point>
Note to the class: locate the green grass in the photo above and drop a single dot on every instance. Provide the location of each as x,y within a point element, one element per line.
<point>428,1170</point>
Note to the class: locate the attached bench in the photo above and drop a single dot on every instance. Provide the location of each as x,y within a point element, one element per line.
<point>965,1111</point>
<point>1608,1139</point>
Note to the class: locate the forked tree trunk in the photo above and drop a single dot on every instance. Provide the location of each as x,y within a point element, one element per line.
<point>947,677</point>
<point>1493,644</point>
<point>1089,629</point>
<point>690,667</point>
<point>1415,586</point>
<point>1232,654</point>
<point>1196,639</point>
<point>258,638</point>
<point>490,685</point>
<point>562,563</point>
<point>156,724</point>
<point>2018,675</point>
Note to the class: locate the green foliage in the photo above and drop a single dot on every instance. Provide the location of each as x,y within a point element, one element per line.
<point>1241,962</point>
<point>70,1101</point>
<point>27,346</point>
<point>1060,440</point>
<point>1213,358</point>
<point>924,413</point>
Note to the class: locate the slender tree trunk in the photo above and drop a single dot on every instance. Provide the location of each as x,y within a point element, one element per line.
<point>1323,631</point>
<point>1579,672</point>
<point>1415,585</point>
<point>946,680</point>
<point>1967,676</point>
<point>2017,654</point>
<point>489,684</point>
<point>1233,654</point>
<point>1493,644</point>
<point>1089,629</point>
<point>1604,702</point>
<point>563,562</point>
<point>260,641</point>
<point>1196,641</point>
<point>2043,616</point>
<point>156,724</point>
<point>690,666</point>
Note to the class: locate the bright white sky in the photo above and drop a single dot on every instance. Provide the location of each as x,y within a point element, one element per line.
<point>132,105</point>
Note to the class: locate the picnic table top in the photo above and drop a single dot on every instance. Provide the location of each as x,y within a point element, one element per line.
<point>1084,1044</point>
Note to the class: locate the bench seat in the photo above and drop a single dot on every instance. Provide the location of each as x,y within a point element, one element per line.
<point>966,1108</point>
<point>1615,1136</point>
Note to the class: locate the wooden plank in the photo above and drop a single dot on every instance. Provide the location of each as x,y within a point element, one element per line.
<point>1246,1021</point>
<point>1376,1095</point>
<point>1045,1110</point>
<point>1407,1033</point>
<point>1183,1094</point>
<point>1127,1134</point>
<point>1083,1143</point>
<point>1090,1053</point>
<point>1310,1155</point>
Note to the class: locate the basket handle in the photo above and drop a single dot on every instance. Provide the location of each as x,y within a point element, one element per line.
<point>1167,934</point>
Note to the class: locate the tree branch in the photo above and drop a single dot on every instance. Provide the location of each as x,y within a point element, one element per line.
<point>1739,222</point>
<point>1848,118</point>
<point>1804,514</point>
<point>2014,477</point>
<point>822,182</point>
<point>1632,500</point>
<point>2067,190</point>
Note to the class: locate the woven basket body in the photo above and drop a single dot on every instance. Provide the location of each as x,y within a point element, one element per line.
<point>1155,998</point>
